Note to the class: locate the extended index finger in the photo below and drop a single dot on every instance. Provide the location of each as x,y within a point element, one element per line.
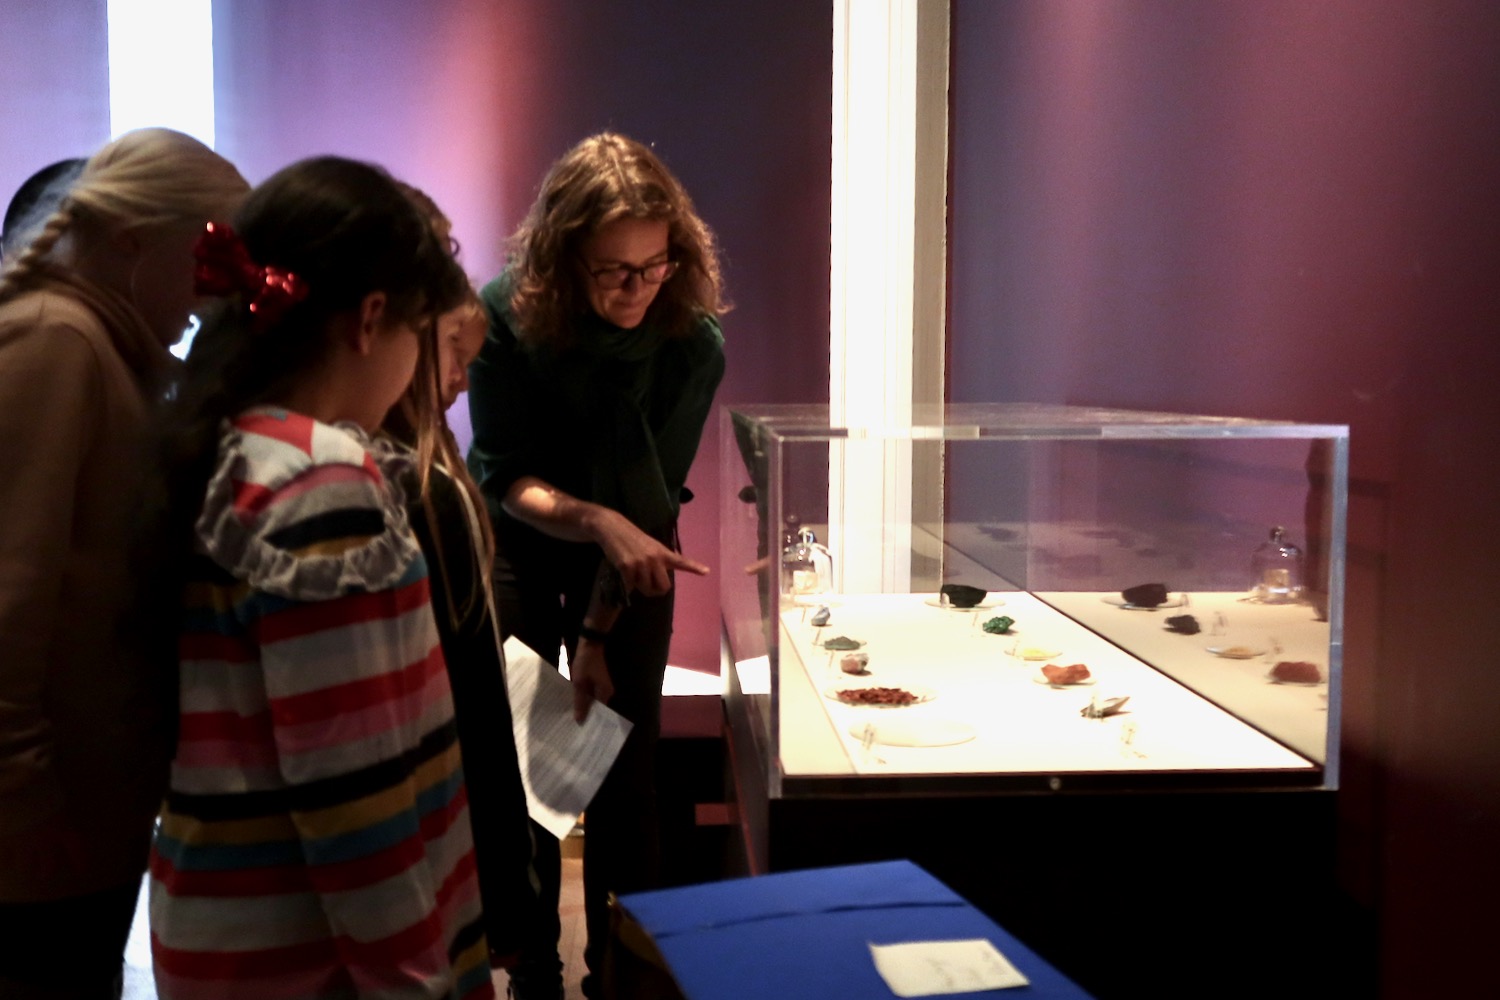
<point>682,562</point>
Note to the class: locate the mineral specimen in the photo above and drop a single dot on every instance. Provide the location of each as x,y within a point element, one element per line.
<point>999,625</point>
<point>1145,595</point>
<point>1076,673</point>
<point>1184,625</point>
<point>1296,672</point>
<point>1103,709</point>
<point>876,696</point>
<point>961,595</point>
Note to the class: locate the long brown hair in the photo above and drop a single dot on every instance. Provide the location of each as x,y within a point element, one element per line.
<point>345,230</point>
<point>604,178</point>
<point>418,421</point>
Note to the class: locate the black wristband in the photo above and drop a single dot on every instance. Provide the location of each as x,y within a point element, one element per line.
<point>592,634</point>
<point>612,589</point>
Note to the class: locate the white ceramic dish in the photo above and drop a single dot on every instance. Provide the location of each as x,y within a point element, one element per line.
<point>914,732</point>
<point>988,602</point>
<point>1172,601</point>
<point>1236,652</point>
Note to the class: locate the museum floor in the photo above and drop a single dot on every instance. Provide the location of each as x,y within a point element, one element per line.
<point>139,985</point>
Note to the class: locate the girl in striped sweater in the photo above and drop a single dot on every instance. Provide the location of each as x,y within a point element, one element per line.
<point>316,838</point>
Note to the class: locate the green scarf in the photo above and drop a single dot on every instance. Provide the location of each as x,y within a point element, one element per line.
<point>607,374</point>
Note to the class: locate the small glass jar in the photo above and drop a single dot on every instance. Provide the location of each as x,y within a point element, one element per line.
<point>806,567</point>
<point>1279,571</point>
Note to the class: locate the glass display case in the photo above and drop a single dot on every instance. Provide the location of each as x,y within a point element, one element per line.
<point>1028,598</point>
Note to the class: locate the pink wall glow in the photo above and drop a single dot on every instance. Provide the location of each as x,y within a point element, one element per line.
<point>442,94</point>
<point>1287,209</point>
<point>473,100</point>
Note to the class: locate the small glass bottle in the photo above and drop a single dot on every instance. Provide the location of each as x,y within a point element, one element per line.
<point>788,552</point>
<point>1279,571</point>
<point>806,566</point>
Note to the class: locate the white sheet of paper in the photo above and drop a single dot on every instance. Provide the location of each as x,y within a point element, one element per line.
<point>932,968</point>
<point>562,762</point>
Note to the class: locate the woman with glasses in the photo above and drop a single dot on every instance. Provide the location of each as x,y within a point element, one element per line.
<point>588,400</point>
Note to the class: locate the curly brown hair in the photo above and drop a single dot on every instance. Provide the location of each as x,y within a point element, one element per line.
<point>604,178</point>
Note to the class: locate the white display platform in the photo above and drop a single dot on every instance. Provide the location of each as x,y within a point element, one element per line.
<point>1295,714</point>
<point>1020,725</point>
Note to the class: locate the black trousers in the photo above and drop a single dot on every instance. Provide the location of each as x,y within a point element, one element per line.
<point>542,597</point>
<point>66,948</point>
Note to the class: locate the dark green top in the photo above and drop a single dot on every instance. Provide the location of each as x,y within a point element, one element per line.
<point>614,417</point>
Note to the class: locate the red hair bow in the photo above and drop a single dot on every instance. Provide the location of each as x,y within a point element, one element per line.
<point>225,268</point>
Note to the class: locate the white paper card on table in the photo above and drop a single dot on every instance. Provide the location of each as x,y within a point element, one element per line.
<point>933,968</point>
<point>563,762</point>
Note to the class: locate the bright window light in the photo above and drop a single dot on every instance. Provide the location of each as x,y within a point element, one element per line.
<point>888,214</point>
<point>161,66</point>
<point>184,345</point>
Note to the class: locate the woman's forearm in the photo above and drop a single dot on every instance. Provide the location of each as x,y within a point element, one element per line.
<point>551,511</point>
<point>644,564</point>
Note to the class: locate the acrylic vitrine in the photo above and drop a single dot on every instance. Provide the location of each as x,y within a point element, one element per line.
<point>1158,600</point>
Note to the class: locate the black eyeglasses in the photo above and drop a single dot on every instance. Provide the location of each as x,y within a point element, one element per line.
<point>611,278</point>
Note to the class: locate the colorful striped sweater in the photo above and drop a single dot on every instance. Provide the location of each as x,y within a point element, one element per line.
<point>316,838</point>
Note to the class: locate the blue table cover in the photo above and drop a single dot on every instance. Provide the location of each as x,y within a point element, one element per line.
<point>807,934</point>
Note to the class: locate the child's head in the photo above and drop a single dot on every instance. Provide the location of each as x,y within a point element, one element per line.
<point>34,202</point>
<point>129,221</point>
<point>418,419</point>
<point>461,323</point>
<point>346,281</point>
<point>460,335</point>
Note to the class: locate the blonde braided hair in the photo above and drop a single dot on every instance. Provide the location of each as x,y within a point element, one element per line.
<point>147,177</point>
<point>19,271</point>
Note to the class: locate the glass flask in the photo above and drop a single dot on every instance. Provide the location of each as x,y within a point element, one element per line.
<point>806,566</point>
<point>1279,570</point>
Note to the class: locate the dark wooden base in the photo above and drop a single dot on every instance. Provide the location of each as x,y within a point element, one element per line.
<point>1192,894</point>
<point>1165,893</point>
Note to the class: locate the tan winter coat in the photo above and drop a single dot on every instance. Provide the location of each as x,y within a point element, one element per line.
<point>82,748</point>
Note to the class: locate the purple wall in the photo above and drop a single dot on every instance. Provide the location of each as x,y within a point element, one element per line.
<point>54,86</point>
<point>473,100</point>
<point>1284,209</point>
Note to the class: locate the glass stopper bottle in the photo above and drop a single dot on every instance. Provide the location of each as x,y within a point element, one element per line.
<point>1278,570</point>
<point>806,566</point>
